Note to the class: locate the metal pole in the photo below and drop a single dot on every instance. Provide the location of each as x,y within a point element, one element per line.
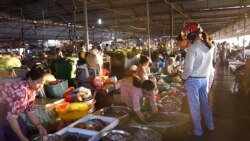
<point>22,31</point>
<point>74,16</point>
<point>164,32</point>
<point>101,36</point>
<point>86,24</point>
<point>244,39</point>
<point>5,33</point>
<point>149,53</point>
<point>171,27</point>
<point>238,35</point>
<point>43,26</point>
<point>70,30</point>
<point>115,30</point>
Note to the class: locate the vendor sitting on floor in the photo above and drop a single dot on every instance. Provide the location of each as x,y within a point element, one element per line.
<point>132,92</point>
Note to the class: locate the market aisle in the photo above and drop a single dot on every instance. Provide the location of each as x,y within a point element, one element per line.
<point>231,113</point>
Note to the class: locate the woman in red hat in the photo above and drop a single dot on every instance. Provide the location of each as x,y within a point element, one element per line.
<point>198,63</point>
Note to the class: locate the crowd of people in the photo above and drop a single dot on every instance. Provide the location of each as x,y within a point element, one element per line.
<point>194,63</point>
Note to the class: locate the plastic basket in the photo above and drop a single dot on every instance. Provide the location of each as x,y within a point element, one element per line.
<point>68,114</point>
<point>57,90</point>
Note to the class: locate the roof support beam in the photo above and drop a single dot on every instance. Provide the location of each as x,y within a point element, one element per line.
<point>63,31</point>
<point>63,8</point>
<point>225,8</point>
<point>178,9</point>
<point>182,1</point>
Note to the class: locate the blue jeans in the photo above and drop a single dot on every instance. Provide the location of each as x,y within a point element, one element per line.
<point>198,98</point>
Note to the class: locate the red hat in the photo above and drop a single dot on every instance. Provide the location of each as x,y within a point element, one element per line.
<point>192,27</point>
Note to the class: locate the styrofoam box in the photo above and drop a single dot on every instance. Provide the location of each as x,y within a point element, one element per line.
<point>110,121</point>
<point>93,134</point>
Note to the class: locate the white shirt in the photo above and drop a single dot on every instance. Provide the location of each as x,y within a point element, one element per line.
<point>198,61</point>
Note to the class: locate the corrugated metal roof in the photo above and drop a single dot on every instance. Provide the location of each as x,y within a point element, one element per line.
<point>125,13</point>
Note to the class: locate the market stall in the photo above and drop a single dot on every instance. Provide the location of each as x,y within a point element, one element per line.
<point>69,112</point>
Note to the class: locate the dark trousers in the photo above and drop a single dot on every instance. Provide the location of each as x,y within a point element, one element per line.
<point>6,132</point>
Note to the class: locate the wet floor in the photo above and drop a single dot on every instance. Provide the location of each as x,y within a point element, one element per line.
<point>231,112</point>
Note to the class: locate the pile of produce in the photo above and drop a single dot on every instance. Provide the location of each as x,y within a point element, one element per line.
<point>74,137</point>
<point>115,111</point>
<point>128,53</point>
<point>49,137</point>
<point>105,84</point>
<point>133,52</point>
<point>93,124</point>
<point>9,63</point>
<point>117,54</point>
<point>176,79</point>
<point>143,134</point>
<point>171,99</point>
<point>115,135</point>
<point>169,79</point>
<point>77,95</point>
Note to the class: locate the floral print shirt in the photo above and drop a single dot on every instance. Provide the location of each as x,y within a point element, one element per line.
<point>132,96</point>
<point>17,97</point>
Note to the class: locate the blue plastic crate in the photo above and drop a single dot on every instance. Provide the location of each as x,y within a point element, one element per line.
<point>57,90</point>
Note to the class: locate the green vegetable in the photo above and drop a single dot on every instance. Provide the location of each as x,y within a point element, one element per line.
<point>9,63</point>
<point>123,54</point>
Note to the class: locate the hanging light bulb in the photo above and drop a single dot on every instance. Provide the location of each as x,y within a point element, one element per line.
<point>99,21</point>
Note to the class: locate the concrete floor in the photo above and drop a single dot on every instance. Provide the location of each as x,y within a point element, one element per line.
<point>231,113</point>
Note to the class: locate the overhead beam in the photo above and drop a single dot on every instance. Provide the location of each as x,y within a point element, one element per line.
<point>179,20</point>
<point>178,9</point>
<point>164,16</point>
<point>184,1</point>
<point>17,3</point>
<point>195,18</point>
<point>161,18</point>
<point>225,8</point>
<point>63,8</point>
<point>143,25</point>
